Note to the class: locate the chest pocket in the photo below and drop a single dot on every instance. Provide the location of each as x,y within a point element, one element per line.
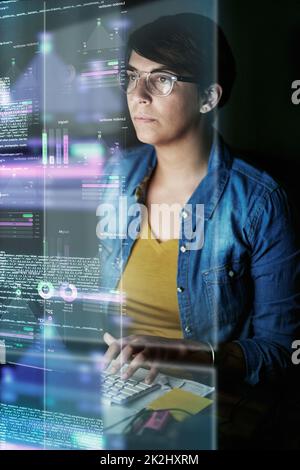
<point>229,292</point>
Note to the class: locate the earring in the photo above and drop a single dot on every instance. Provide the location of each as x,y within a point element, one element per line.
<point>204,109</point>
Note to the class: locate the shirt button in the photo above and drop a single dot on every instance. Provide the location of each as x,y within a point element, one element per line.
<point>183,249</point>
<point>187,329</point>
<point>231,273</point>
<point>184,214</point>
<point>180,289</point>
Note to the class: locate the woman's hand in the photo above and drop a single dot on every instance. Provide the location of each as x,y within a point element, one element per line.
<point>153,352</point>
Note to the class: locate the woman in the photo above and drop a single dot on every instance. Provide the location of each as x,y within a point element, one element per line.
<point>230,296</point>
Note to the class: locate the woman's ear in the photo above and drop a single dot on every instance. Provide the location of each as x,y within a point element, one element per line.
<point>210,98</point>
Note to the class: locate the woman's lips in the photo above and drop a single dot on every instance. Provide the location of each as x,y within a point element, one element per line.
<point>144,119</point>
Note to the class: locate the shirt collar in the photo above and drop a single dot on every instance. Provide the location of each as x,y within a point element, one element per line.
<point>209,190</point>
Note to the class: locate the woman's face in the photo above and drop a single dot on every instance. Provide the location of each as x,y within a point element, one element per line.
<point>171,117</point>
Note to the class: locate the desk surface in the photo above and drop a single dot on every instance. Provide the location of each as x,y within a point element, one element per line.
<point>116,417</point>
<point>243,417</point>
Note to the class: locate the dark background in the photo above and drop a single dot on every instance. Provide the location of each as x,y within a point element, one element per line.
<point>260,121</point>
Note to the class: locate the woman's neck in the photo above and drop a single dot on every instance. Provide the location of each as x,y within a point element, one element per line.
<point>185,160</point>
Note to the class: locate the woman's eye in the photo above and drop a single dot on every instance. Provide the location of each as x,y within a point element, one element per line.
<point>131,77</point>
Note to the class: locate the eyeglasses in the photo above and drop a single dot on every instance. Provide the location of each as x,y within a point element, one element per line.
<point>157,83</point>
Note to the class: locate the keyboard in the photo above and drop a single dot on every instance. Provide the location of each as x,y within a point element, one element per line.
<point>114,390</point>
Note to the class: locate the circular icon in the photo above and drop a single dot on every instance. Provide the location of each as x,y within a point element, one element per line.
<point>45,289</point>
<point>18,292</point>
<point>68,292</point>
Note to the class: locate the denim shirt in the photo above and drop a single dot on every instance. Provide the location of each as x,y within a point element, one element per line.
<point>242,283</point>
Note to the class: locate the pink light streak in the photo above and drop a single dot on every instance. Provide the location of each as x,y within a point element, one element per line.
<point>15,224</point>
<point>15,335</point>
<point>102,297</point>
<point>101,185</point>
<point>116,298</point>
<point>40,172</point>
<point>10,446</point>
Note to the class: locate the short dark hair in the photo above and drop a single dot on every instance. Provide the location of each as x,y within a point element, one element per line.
<point>187,43</point>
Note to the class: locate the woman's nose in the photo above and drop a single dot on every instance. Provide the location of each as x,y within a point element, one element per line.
<point>141,92</point>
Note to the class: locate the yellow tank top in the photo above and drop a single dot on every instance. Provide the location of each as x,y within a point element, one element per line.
<point>149,286</point>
